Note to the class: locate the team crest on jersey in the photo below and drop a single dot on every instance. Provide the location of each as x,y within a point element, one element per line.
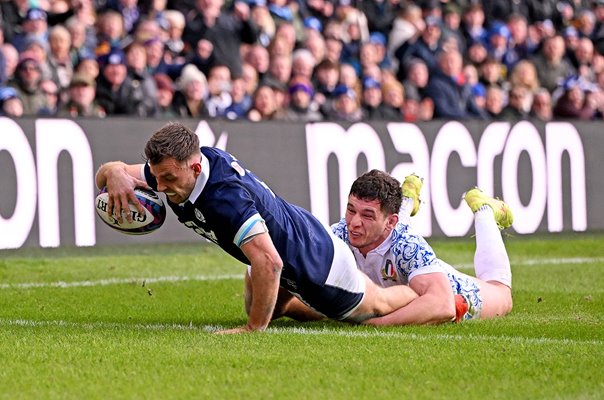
<point>199,216</point>
<point>389,272</point>
<point>238,168</point>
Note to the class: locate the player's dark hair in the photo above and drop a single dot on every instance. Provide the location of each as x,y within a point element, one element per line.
<point>172,140</point>
<point>380,186</point>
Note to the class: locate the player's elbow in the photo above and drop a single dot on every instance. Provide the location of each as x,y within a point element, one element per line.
<point>444,311</point>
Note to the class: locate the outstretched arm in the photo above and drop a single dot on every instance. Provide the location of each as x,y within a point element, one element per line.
<point>435,304</point>
<point>265,277</point>
<point>121,179</point>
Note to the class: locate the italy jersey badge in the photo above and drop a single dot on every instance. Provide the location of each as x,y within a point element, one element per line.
<point>389,272</point>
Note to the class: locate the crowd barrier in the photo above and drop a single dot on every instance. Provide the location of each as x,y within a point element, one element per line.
<point>550,173</point>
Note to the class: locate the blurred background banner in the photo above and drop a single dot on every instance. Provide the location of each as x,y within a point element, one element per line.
<point>550,173</point>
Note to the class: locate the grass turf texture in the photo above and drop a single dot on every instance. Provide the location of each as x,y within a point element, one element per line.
<point>128,322</point>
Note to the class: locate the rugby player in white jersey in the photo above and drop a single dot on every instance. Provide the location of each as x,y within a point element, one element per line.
<point>390,253</point>
<point>292,255</point>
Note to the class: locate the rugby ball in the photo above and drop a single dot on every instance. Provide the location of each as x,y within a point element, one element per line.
<point>151,220</point>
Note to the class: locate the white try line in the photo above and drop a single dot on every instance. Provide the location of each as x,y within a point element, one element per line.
<point>118,281</point>
<point>350,333</point>
<point>140,280</point>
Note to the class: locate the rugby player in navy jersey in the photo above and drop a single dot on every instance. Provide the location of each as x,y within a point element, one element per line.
<point>291,254</point>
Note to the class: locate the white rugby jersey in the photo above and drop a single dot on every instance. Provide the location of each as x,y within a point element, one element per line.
<point>404,255</point>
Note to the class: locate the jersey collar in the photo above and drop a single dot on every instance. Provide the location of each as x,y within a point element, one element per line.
<point>202,179</point>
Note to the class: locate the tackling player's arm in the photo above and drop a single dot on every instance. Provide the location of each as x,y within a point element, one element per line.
<point>121,179</point>
<point>435,304</point>
<point>265,275</point>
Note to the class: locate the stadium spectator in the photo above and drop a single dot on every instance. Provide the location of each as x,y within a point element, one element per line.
<point>284,11</point>
<point>491,72</point>
<point>82,39</point>
<point>225,30</point>
<point>11,59</point>
<point>333,49</point>
<point>494,101</point>
<point>380,14</point>
<point>261,16</point>
<point>250,78</point>
<point>451,95</point>
<point>264,105</point>
<point>286,33</point>
<point>241,101</point>
<point>10,103</point>
<point>81,103</point>
<point>479,94</point>
<point>257,56</point>
<point>519,103</point>
<point>497,44</point>
<point>27,84</point>
<point>393,94</point>
<point>303,63</point>
<point>407,26</point>
<point>280,69</point>
<point>519,45</point>
<point>473,25</point>
<point>582,59</point>
<point>176,25</point>
<point>301,106</point>
<point>525,74</point>
<point>541,108</point>
<point>33,27</point>
<point>38,49</point>
<point>129,11</point>
<point>577,100</point>
<point>141,80</point>
<point>110,32</point>
<point>552,67</point>
<point>88,66</point>
<point>372,102</point>
<point>585,22</point>
<point>354,33</point>
<point>416,79</point>
<point>425,47</point>
<point>59,58</point>
<point>349,78</point>
<point>115,92</point>
<point>53,97</point>
<point>219,87</point>
<point>189,99</point>
<point>452,25</point>
<point>346,105</point>
<point>315,43</point>
<point>165,95</point>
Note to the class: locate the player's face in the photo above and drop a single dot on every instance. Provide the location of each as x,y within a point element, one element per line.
<point>176,179</point>
<point>368,226</point>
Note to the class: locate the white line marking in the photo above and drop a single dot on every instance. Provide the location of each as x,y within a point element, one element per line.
<point>118,281</point>
<point>544,261</point>
<point>139,280</point>
<point>351,333</point>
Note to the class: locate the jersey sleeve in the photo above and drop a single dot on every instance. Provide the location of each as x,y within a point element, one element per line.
<point>339,229</point>
<point>413,255</point>
<point>234,203</point>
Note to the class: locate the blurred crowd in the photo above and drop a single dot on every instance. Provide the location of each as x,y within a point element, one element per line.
<point>303,60</point>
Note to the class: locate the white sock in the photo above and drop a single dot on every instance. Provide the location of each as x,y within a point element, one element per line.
<point>491,261</point>
<point>404,214</point>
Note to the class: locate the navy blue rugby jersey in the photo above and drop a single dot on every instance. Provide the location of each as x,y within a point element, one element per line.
<point>228,200</point>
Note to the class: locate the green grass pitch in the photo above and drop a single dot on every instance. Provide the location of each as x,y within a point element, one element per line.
<point>136,322</point>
